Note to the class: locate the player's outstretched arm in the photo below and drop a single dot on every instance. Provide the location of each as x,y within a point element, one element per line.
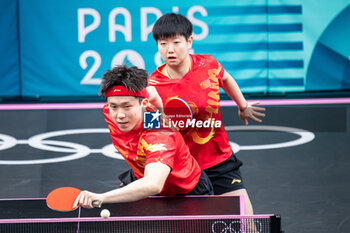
<point>154,97</point>
<point>151,184</point>
<point>246,110</point>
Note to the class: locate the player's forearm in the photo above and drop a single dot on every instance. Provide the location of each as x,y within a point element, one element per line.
<point>154,97</point>
<point>134,191</point>
<point>231,88</point>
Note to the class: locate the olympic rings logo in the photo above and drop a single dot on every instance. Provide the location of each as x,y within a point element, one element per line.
<point>77,151</point>
<point>41,142</point>
<point>235,226</point>
<point>304,137</point>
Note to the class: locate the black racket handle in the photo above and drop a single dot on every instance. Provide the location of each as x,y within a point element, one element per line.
<point>97,204</point>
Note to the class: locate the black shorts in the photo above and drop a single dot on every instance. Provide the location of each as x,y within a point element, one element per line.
<point>127,177</point>
<point>203,187</point>
<point>226,176</point>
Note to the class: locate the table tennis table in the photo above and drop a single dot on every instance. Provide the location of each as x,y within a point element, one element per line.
<point>189,214</point>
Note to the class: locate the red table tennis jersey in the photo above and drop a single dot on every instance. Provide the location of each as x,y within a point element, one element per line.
<point>140,147</point>
<point>200,88</point>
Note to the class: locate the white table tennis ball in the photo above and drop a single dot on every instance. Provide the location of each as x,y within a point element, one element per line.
<point>105,213</point>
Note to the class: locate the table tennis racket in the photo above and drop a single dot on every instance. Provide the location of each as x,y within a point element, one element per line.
<point>62,199</point>
<point>177,109</point>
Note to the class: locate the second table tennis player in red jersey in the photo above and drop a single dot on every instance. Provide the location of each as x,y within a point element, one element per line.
<point>159,158</point>
<point>196,79</point>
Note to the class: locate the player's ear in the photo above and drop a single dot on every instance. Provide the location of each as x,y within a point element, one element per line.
<point>144,102</point>
<point>189,42</point>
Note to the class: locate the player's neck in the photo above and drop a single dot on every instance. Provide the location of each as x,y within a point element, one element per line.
<point>177,72</point>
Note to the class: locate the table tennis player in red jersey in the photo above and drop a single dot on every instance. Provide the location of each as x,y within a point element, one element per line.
<point>196,79</point>
<point>159,158</point>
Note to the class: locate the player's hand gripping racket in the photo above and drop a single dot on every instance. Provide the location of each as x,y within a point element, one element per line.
<point>62,199</point>
<point>178,110</point>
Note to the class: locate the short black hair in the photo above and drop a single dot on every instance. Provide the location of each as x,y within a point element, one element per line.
<point>170,25</point>
<point>133,78</point>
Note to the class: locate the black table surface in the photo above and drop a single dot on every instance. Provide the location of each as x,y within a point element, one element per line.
<point>153,206</point>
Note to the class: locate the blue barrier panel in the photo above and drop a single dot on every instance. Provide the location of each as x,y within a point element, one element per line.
<point>268,46</point>
<point>9,68</point>
<point>329,67</point>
